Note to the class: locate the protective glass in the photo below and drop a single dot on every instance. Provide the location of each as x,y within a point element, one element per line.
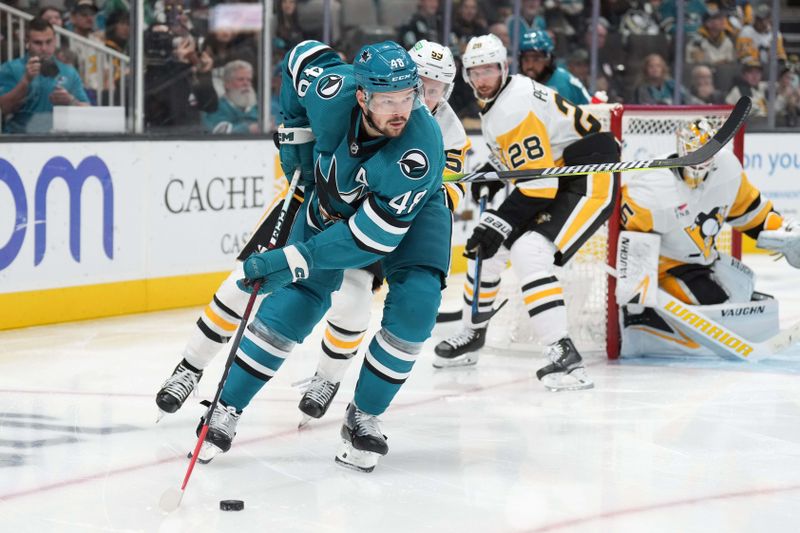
<point>393,103</point>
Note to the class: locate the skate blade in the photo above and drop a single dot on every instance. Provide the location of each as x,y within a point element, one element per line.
<point>161,414</point>
<point>207,452</point>
<point>457,362</point>
<point>575,380</point>
<point>358,460</point>
<point>303,421</point>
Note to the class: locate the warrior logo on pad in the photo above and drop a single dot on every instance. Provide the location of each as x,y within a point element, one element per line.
<point>329,86</point>
<point>414,164</point>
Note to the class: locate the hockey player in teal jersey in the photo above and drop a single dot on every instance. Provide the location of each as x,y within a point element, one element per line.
<point>376,158</point>
<point>537,62</point>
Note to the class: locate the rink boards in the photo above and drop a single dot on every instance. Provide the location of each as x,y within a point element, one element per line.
<point>93,228</point>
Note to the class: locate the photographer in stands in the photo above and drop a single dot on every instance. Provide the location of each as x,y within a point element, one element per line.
<point>177,81</point>
<point>31,85</point>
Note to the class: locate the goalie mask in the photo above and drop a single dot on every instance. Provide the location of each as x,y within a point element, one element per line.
<point>437,70</point>
<point>691,137</point>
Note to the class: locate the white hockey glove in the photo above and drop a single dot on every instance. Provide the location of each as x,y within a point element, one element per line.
<point>785,240</point>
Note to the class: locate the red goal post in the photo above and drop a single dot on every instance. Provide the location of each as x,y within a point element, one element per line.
<point>627,121</point>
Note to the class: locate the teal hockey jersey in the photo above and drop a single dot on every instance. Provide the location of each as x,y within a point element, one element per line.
<point>367,191</point>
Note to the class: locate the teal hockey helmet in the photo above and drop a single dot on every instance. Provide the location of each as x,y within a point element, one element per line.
<point>385,67</point>
<point>536,41</point>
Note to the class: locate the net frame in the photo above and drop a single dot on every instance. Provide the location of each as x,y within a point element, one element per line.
<point>588,286</point>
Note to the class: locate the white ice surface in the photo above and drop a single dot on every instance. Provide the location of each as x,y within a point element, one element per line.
<point>658,445</point>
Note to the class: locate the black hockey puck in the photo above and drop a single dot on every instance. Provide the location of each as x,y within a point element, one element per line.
<point>231,505</point>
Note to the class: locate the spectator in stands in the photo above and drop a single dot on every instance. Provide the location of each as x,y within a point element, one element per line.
<point>118,31</point>
<point>496,10</point>
<point>468,22</point>
<point>82,18</point>
<point>32,84</point>
<point>530,19</point>
<point>238,107</point>
<point>693,10</point>
<point>177,82</point>
<point>578,65</point>
<point>787,102</point>
<point>711,45</point>
<point>750,84</point>
<point>754,40</point>
<point>225,46</point>
<point>702,88</point>
<point>286,25</point>
<point>51,15</point>
<point>536,60</point>
<point>425,23</point>
<point>501,30</point>
<point>655,86</point>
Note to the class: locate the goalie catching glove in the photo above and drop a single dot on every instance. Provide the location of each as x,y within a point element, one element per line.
<point>488,236</point>
<point>785,240</point>
<point>275,268</point>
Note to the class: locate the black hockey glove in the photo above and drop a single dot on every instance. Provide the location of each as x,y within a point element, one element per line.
<point>487,236</point>
<point>493,186</point>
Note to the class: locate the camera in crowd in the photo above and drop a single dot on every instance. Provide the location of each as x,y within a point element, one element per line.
<point>49,69</point>
<point>158,44</point>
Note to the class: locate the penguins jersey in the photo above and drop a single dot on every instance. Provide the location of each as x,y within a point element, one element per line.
<point>689,220</point>
<point>456,146</point>
<point>367,190</point>
<point>528,126</point>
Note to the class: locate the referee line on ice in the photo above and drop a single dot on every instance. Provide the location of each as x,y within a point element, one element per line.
<point>321,424</point>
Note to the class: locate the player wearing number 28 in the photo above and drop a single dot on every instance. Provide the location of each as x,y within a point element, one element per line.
<point>542,222</point>
<point>377,165</point>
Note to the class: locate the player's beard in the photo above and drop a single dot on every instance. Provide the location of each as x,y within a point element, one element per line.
<point>395,130</point>
<point>242,98</point>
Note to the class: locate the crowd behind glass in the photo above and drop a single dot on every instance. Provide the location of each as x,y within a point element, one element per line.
<point>203,59</point>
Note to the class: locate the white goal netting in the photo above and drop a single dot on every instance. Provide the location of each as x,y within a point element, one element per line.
<point>645,133</point>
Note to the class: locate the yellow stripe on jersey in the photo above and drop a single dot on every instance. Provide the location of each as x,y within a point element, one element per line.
<point>527,146</point>
<point>633,216</point>
<point>455,159</point>
<point>744,197</point>
<point>543,294</point>
<point>455,193</point>
<point>601,189</point>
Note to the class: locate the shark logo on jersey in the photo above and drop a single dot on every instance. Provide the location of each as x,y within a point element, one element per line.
<point>414,164</point>
<point>365,56</point>
<point>329,86</point>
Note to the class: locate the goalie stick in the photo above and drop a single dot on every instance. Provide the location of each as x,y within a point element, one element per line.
<point>725,133</point>
<point>171,498</point>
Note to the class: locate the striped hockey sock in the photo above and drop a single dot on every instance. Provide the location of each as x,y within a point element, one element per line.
<point>543,299</point>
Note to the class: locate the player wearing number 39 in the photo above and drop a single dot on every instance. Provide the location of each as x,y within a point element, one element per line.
<point>378,159</point>
<point>543,222</point>
<point>686,208</point>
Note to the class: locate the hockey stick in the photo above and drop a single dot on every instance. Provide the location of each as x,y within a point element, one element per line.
<point>477,317</point>
<point>720,338</point>
<point>171,498</point>
<point>725,133</point>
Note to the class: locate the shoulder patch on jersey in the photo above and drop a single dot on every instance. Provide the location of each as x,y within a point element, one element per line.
<point>329,86</point>
<point>414,164</point>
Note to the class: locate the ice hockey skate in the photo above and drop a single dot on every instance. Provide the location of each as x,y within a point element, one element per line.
<point>460,349</point>
<point>363,442</point>
<point>177,388</point>
<point>565,371</point>
<point>316,399</point>
<point>221,431</point>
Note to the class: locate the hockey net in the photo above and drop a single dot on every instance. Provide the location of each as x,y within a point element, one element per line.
<point>646,132</point>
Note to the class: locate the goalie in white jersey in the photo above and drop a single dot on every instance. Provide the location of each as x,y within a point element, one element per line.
<point>543,222</point>
<point>349,315</point>
<point>687,208</point>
